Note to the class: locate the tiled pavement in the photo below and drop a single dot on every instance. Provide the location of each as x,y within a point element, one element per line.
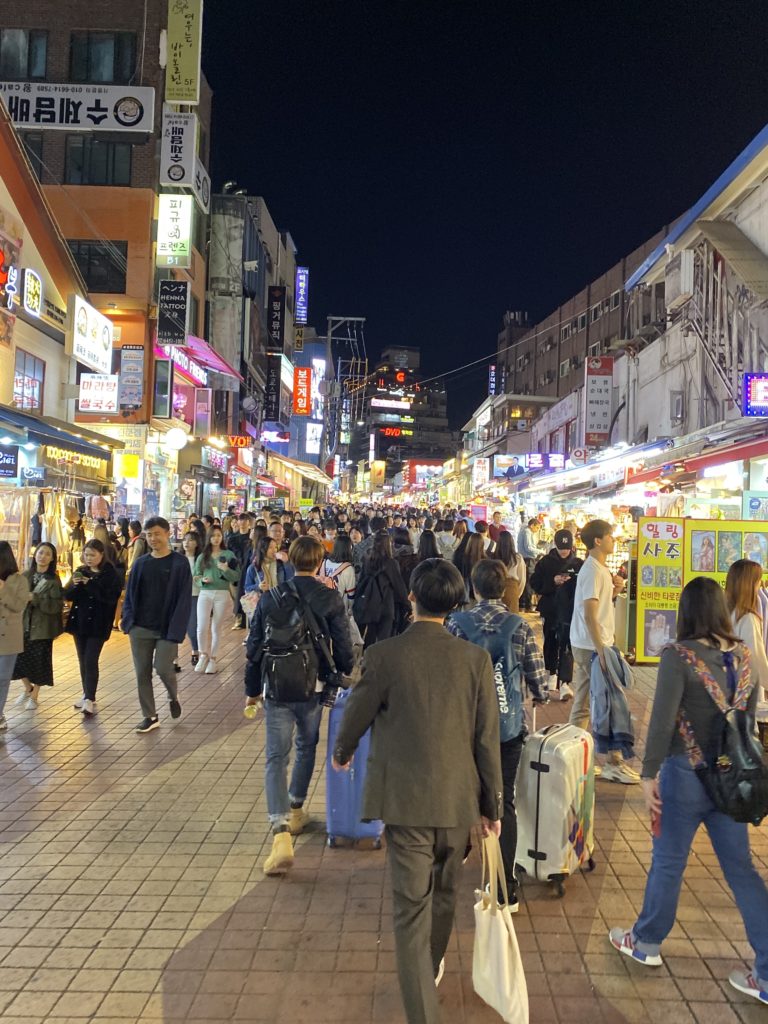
<point>131,890</point>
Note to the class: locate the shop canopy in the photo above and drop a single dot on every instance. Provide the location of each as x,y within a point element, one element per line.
<point>728,453</point>
<point>306,469</point>
<point>208,357</point>
<point>49,431</point>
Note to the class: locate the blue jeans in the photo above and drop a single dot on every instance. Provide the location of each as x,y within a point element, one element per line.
<point>7,662</point>
<point>280,722</point>
<point>685,807</point>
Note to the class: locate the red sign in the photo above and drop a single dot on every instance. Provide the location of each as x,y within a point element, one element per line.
<point>302,390</point>
<point>391,431</point>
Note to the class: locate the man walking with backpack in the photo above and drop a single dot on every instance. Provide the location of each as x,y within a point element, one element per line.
<point>298,645</point>
<point>510,642</point>
<point>554,580</point>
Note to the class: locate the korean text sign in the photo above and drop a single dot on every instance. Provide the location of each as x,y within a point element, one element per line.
<point>174,231</point>
<point>302,390</point>
<point>598,393</point>
<point>80,107</point>
<point>185,37</point>
<point>659,584</point>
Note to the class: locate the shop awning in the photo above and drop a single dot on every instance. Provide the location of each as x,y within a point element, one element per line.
<point>208,357</point>
<point>51,431</point>
<point>306,469</point>
<point>728,453</point>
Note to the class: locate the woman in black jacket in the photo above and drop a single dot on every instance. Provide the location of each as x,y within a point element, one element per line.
<point>381,575</point>
<point>94,591</point>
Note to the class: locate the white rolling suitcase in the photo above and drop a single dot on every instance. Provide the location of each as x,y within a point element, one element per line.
<point>555,801</point>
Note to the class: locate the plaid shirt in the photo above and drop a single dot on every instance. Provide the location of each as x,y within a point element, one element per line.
<point>489,615</point>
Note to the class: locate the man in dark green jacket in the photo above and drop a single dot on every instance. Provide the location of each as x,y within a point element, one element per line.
<point>434,770</point>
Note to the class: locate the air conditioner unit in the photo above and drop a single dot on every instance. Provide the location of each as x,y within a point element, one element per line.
<point>678,279</point>
<point>677,406</point>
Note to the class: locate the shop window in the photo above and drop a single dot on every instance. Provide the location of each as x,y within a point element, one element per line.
<point>33,145</point>
<point>22,54</point>
<point>93,162</point>
<point>28,382</point>
<point>102,57</point>
<point>102,264</point>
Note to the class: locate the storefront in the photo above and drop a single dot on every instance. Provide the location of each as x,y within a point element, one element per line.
<point>295,480</point>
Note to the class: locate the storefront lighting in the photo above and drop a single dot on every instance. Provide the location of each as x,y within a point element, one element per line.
<point>29,446</point>
<point>216,442</point>
<point>6,440</point>
<point>175,439</point>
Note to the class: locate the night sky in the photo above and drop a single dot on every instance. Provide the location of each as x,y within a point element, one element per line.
<point>440,161</point>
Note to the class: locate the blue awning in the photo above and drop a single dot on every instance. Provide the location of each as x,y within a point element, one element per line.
<point>54,432</point>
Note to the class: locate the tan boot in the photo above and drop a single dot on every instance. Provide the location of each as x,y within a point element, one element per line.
<point>281,857</point>
<point>298,821</point>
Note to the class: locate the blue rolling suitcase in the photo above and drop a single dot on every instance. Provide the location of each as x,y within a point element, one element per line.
<point>344,790</point>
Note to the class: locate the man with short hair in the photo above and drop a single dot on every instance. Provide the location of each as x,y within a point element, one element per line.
<point>496,527</point>
<point>329,535</point>
<point>434,770</point>
<point>527,546</point>
<point>158,600</point>
<point>510,642</point>
<point>593,628</point>
<point>276,531</point>
<point>554,580</point>
<point>515,469</point>
<point>481,529</point>
<point>285,804</point>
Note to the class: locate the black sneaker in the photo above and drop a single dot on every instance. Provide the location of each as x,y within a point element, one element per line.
<point>176,667</point>
<point>195,658</point>
<point>175,709</point>
<point>148,724</point>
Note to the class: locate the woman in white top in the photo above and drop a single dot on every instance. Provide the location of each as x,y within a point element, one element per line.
<point>338,568</point>
<point>192,548</point>
<point>742,588</point>
<point>514,566</point>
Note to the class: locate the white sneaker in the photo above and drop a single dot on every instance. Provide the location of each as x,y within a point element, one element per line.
<point>440,972</point>
<point>200,666</point>
<point>31,704</point>
<point>89,708</point>
<point>565,691</point>
<point>3,724</point>
<point>210,668</point>
<point>22,698</point>
<point>619,773</point>
<point>78,705</point>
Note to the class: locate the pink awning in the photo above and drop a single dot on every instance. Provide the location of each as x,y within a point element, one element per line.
<point>202,352</point>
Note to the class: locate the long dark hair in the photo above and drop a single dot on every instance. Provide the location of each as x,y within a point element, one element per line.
<point>469,553</point>
<point>262,547</point>
<point>505,550</point>
<point>379,554</point>
<point>8,563</point>
<point>122,523</point>
<point>51,570</point>
<point>208,549</point>
<point>194,534</point>
<point>703,614</point>
<point>427,546</point>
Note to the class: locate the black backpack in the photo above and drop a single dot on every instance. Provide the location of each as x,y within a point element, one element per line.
<point>731,770</point>
<point>374,600</point>
<point>290,664</point>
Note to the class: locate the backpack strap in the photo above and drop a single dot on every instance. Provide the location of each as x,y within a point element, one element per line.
<point>318,636</point>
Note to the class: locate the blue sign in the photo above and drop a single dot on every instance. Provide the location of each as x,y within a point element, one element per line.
<point>302,295</point>
<point>755,389</point>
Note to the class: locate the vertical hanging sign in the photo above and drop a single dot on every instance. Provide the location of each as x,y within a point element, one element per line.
<point>185,38</point>
<point>276,318</point>
<point>598,392</point>
<point>302,295</point>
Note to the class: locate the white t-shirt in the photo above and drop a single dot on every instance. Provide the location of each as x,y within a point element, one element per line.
<point>593,582</point>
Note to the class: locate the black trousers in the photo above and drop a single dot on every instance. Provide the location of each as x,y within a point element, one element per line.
<point>425,864</point>
<point>88,652</point>
<point>510,761</point>
<point>526,598</point>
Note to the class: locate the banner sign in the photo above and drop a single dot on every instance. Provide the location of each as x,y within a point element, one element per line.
<point>80,107</point>
<point>174,231</point>
<point>90,335</point>
<point>172,312</point>
<point>276,317</point>
<point>598,393</point>
<point>302,390</point>
<point>185,38</point>
<point>492,379</point>
<point>659,584</point>
<point>9,461</point>
<point>272,389</point>
<point>99,392</point>
<point>131,390</point>
<point>302,295</point>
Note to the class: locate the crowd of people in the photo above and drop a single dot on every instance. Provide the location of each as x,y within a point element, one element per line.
<point>429,616</point>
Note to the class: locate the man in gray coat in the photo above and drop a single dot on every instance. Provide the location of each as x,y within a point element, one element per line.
<point>434,770</point>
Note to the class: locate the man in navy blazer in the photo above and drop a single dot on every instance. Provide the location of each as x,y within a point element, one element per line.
<point>158,600</point>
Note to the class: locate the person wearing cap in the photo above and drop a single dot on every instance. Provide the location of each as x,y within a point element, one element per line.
<point>554,580</point>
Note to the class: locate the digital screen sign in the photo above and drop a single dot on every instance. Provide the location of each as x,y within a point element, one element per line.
<point>755,394</point>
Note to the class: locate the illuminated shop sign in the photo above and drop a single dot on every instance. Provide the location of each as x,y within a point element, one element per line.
<point>186,364</point>
<point>389,403</point>
<point>174,231</point>
<point>90,336</point>
<point>755,394</point>
<point>302,295</point>
<point>395,432</point>
<point>32,292</point>
<point>54,454</point>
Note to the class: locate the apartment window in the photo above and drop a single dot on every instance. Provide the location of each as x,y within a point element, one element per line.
<point>22,53</point>
<point>565,367</point>
<point>94,162</point>
<point>520,362</point>
<point>594,348</point>
<point>28,381</point>
<point>33,145</point>
<point>194,313</point>
<point>564,333</point>
<point>596,312</point>
<point>102,57</point>
<point>102,264</point>
<point>615,300</point>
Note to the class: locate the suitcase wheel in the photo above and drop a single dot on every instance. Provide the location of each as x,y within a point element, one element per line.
<point>560,888</point>
<point>332,842</point>
<point>377,844</point>
<point>591,864</point>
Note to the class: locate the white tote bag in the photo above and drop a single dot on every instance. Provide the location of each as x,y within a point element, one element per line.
<point>497,970</point>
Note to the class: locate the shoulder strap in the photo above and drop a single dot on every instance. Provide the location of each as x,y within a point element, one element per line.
<point>317,634</point>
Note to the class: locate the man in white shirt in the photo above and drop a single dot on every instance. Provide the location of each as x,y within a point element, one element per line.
<point>593,628</point>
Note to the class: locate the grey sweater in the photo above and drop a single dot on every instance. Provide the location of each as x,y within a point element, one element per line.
<point>678,686</point>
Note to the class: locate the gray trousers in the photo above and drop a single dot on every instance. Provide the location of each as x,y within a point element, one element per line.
<point>146,647</point>
<point>425,865</point>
